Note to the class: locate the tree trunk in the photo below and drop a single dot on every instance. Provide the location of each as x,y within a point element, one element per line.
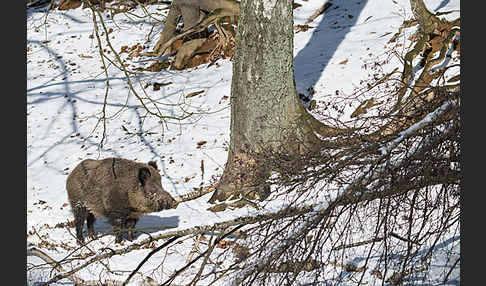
<point>428,22</point>
<point>267,117</point>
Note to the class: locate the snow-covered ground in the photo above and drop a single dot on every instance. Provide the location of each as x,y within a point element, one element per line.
<point>66,91</point>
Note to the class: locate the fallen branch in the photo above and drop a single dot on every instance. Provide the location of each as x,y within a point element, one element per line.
<point>195,248</point>
<point>392,234</point>
<point>74,278</point>
<point>291,211</point>
<point>361,189</point>
<point>203,24</point>
<point>221,237</point>
<point>42,255</point>
<point>356,244</point>
<point>194,194</point>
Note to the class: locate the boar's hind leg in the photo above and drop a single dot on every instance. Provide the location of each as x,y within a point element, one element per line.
<point>80,213</point>
<point>129,225</point>
<point>90,219</point>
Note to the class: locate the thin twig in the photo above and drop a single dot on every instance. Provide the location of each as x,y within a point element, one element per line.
<point>148,257</point>
<point>201,255</point>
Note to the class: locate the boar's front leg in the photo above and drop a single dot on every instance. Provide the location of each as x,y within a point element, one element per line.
<point>118,224</point>
<point>129,225</point>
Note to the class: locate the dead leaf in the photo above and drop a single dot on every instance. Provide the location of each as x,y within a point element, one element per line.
<point>200,143</point>
<point>436,43</point>
<point>377,273</point>
<point>224,244</point>
<point>157,85</point>
<point>197,60</point>
<point>123,49</point>
<point>225,97</point>
<point>302,28</point>
<point>176,45</point>
<point>364,106</point>
<point>192,94</point>
<point>68,4</point>
<point>134,53</point>
<point>157,66</point>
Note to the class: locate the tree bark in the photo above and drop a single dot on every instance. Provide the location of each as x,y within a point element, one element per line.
<point>267,117</point>
<point>428,22</point>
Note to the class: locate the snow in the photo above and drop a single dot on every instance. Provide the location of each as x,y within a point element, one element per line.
<point>66,89</point>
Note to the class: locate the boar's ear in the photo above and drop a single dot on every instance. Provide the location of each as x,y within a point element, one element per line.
<point>153,164</point>
<point>143,175</point>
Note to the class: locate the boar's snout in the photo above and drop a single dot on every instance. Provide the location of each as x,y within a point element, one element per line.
<point>167,202</point>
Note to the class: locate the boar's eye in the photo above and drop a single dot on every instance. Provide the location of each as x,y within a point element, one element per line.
<point>143,175</point>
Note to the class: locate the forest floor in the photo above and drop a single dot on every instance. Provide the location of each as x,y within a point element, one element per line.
<point>67,90</point>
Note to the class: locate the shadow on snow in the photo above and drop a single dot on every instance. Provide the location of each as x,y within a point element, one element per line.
<point>146,225</point>
<point>336,22</point>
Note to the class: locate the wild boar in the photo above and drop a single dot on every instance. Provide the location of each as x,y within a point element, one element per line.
<point>118,189</point>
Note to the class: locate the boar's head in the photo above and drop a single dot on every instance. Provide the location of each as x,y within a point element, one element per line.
<point>151,196</point>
